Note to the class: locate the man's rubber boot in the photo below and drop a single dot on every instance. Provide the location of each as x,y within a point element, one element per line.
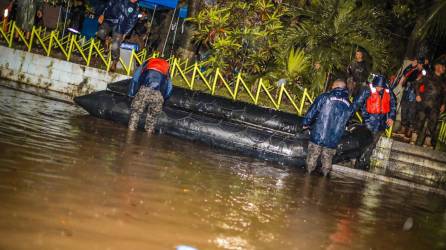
<point>413,138</point>
<point>428,142</point>
<point>401,131</point>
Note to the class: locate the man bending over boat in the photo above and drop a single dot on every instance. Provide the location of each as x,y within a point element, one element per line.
<point>150,87</point>
<point>327,117</point>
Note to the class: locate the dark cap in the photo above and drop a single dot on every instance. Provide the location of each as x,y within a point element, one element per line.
<point>420,60</point>
<point>440,62</point>
<point>379,81</point>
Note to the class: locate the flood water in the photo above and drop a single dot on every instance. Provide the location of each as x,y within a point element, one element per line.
<point>71,181</point>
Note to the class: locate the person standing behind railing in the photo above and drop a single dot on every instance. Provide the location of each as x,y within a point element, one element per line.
<point>26,13</point>
<point>328,117</point>
<point>119,17</point>
<point>431,99</point>
<point>358,72</point>
<point>378,109</point>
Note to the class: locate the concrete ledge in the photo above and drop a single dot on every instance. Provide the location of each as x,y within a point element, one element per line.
<point>53,74</point>
<point>416,173</point>
<point>364,175</point>
<point>426,153</point>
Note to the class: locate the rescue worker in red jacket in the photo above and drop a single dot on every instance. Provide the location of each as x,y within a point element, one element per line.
<point>150,86</point>
<point>378,109</point>
<point>431,99</point>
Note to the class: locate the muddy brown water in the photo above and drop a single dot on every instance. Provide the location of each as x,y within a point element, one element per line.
<point>71,181</point>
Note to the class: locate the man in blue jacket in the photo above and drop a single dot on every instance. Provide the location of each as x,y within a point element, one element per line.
<point>150,87</point>
<point>378,109</point>
<point>119,17</point>
<point>328,117</point>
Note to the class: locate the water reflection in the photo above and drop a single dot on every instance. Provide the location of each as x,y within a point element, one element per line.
<point>70,181</point>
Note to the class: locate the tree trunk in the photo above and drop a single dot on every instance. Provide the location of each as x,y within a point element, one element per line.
<point>164,29</point>
<point>414,40</point>
<point>186,45</point>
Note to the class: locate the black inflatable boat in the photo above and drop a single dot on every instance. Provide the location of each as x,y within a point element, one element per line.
<point>241,127</point>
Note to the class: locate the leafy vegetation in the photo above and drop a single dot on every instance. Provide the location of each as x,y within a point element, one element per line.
<point>299,45</point>
<point>302,43</point>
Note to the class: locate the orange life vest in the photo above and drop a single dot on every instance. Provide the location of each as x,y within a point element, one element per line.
<point>377,104</point>
<point>422,88</point>
<point>159,65</point>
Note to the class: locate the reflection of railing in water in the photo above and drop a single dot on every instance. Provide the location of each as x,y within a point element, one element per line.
<point>190,74</point>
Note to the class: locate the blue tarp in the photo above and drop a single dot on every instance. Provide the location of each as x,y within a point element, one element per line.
<point>150,4</point>
<point>183,12</point>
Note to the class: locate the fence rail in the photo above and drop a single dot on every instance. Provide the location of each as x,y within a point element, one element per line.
<point>442,130</point>
<point>190,74</point>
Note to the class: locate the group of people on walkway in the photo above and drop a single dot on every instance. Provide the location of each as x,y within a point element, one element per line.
<point>423,99</point>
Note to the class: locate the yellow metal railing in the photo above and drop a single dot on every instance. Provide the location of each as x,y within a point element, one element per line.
<point>191,74</point>
<point>442,131</point>
<point>68,45</point>
<point>183,71</point>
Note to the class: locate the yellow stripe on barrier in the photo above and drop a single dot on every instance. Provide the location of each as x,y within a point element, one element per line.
<point>442,134</point>
<point>287,94</point>
<point>237,84</point>
<point>5,33</point>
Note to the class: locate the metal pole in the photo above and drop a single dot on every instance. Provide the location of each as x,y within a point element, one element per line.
<point>58,18</point>
<point>168,33</point>
<point>66,17</point>
<point>174,36</point>
<point>150,28</point>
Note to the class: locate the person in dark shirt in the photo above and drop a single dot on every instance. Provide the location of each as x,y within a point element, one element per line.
<point>358,72</point>
<point>408,102</point>
<point>431,98</point>
<point>77,15</point>
<point>119,17</point>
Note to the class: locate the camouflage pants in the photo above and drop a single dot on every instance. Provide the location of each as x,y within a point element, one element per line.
<point>149,99</point>
<point>326,154</point>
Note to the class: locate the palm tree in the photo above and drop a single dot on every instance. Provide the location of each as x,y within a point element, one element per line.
<point>431,23</point>
<point>186,47</point>
<point>329,31</point>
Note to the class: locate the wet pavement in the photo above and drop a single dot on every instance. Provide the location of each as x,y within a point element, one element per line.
<point>71,181</point>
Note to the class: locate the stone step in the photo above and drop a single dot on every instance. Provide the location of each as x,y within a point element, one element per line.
<point>419,151</point>
<point>416,173</point>
<point>425,162</point>
<point>410,162</point>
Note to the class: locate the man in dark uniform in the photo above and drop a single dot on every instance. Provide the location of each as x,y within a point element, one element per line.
<point>150,87</point>
<point>358,72</point>
<point>431,99</point>
<point>378,109</point>
<point>119,17</point>
<point>327,116</point>
<point>408,102</point>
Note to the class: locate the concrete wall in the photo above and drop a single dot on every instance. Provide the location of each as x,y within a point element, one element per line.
<point>410,162</point>
<point>53,74</point>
